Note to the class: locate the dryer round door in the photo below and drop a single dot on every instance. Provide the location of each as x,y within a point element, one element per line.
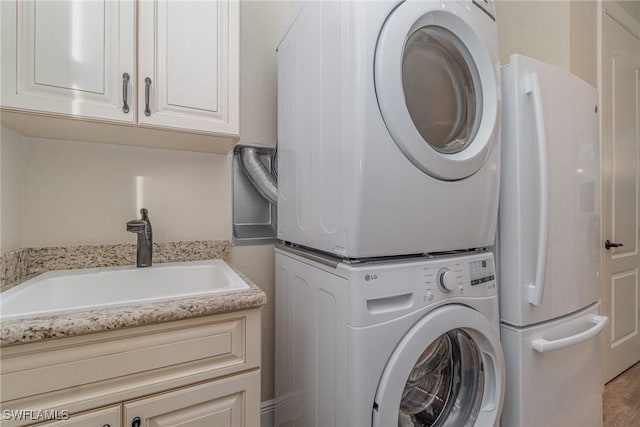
<point>448,370</point>
<point>437,87</point>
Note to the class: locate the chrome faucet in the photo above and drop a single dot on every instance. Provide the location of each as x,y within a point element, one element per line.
<point>142,227</point>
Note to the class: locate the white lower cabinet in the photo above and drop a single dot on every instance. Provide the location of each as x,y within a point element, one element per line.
<point>222,403</point>
<point>202,372</point>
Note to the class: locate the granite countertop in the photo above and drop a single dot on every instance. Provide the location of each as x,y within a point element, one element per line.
<point>23,331</point>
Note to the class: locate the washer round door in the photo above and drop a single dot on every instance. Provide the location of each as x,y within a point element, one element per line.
<point>448,370</point>
<point>437,86</point>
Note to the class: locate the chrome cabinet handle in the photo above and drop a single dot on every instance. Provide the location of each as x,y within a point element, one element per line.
<point>135,422</point>
<point>125,85</point>
<point>147,85</point>
<point>609,244</point>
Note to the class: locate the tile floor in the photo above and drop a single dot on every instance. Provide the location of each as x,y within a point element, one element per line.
<point>621,400</point>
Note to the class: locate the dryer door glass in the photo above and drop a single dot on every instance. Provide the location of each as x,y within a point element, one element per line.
<point>441,88</point>
<point>445,385</point>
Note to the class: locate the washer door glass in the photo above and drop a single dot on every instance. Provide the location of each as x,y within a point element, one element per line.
<point>445,384</point>
<point>441,89</point>
<point>447,370</point>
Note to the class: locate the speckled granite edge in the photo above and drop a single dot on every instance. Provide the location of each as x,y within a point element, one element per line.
<point>14,332</point>
<point>119,254</point>
<point>14,268</point>
<point>39,260</point>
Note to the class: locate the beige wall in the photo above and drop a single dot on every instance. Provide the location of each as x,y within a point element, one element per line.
<point>84,193</point>
<point>538,29</point>
<point>562,33</point>
<point>12,180</point>
<point>263,25</point>
<point>583,56</point>
<point>632,7</point>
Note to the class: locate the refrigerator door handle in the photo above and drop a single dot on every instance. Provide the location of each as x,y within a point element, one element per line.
<point>532,87</point>
<point>541,345</point>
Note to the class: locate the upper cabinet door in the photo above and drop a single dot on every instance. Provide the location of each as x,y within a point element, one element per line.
<point>189,65</point>
<point>69,57</point>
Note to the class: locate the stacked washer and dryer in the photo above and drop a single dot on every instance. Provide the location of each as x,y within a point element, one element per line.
<point>389,133</point>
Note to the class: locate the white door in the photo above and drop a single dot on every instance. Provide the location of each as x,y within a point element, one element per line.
<point>437,86</point>
<point>188,59</point>
<point>621,188</point>
<point>447,370</point>
<point>69,57</point>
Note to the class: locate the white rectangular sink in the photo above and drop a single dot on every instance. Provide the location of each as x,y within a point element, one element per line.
<point>59,292</point>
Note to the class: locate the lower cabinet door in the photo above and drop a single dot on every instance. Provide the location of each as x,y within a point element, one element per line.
<point>105,417</point>
<point>232,401</point>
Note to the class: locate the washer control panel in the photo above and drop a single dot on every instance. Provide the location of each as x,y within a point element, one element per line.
<point>383,290</point>
<point>464,276</point>
<point>481,271</point>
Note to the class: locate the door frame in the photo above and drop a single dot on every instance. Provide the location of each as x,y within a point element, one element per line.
<point>622,17</point>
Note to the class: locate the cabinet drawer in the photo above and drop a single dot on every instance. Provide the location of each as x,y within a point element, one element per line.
<point>232,401</point>
<point>221,342</point>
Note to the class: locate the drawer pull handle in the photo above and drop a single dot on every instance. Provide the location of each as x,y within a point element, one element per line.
<point>147,86</point>
<point>135,422</point>
<point>541,345</point>
<point>106,425</point>
<point>125,103</point>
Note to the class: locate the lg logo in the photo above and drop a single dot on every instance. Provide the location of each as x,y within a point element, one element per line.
<point>369,277</point>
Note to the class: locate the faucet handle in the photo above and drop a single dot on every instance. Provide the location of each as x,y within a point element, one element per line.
<point>144,213</point>
<point>136,226</point>
<point>140,225</point>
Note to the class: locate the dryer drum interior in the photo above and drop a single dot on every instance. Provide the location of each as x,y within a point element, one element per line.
<point>445,385</point>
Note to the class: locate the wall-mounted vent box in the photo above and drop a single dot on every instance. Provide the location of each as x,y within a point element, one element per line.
<point>254,218</point>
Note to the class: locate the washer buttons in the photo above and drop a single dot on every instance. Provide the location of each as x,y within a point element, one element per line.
<point>430,296</point>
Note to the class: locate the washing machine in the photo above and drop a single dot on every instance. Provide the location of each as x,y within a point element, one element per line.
<point>388,127</point>
<point>395,342</point>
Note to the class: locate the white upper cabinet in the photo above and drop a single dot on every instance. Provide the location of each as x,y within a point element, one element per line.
<point>69,57</point>
<point>188,59</point>
<point>78,58</point>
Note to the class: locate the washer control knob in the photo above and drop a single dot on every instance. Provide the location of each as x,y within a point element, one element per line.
<point>446,280</point>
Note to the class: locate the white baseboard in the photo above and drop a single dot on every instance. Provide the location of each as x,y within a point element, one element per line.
<point>267,409</point>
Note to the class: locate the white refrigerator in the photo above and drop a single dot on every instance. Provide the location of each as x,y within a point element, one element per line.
<point>549,248</point>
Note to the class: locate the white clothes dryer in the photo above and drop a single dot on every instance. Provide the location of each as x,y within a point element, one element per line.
<point>389,343</point>
<point>388,127</point>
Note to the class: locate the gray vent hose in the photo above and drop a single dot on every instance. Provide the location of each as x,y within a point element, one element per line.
<point>260,177</point>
